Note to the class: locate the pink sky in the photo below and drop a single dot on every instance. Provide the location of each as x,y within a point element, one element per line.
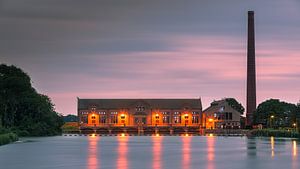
<point>152,49</point>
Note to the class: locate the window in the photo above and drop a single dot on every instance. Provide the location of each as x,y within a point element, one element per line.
<point>102,112</point>
<point>114,119</point>
<point>230,116</point>
<point>195,113</point>
<point>114,112</point>
<point>166,119</point>
<point>84,119</point>
<point>177,119</point>
<point>102,119</point>
<point>93,117</point>
<point>195,119</point>
<point>140,108</point>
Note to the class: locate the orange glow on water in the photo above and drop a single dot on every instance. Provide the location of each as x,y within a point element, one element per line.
<point>157,135</point>
<point>186,152</point>
<point>272,146</point>
<point>294,148</point>
<point>156,152</point>
<point>122,161</point>
<point>210,152</point>
<point>93,162</point>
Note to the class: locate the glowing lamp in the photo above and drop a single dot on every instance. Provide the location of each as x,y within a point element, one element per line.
<point>272,116</point>
<point>210,119</point>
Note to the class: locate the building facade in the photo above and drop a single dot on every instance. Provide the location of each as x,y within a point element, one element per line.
<point>139,112</point>
<point>221,115</point>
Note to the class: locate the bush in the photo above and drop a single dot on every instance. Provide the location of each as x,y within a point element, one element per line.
<point>275,133</point>
<point>8,138</point>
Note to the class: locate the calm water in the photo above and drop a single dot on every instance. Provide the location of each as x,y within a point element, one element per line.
<point>147,152</point>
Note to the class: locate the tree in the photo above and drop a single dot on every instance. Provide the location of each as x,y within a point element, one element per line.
<point>22,109</point>
<point>275,113</point>
<point>235,105</point>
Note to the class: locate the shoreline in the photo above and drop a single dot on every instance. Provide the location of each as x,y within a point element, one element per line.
<point>8,138</point>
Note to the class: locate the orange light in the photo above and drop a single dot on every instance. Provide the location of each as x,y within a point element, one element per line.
<point>186,135</point>
<point>123,135</point>
<point>93,114</point>
<point>93,135</point>
<point>122,115</point>
<point>156,115</point>
<point>210,120</point>
<point>211,135</point>
<point>157,135</point>
<point>186,115</point>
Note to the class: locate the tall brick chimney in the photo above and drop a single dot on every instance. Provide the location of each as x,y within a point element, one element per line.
<point>251,74</point>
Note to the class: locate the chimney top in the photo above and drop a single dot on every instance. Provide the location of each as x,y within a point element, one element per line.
<point>250,12</point>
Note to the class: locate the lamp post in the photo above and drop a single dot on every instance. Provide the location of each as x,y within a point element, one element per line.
<point>271,118</point>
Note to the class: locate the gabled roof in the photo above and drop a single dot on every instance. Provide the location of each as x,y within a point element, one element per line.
<point>215,106</point>
<point>151,103</point>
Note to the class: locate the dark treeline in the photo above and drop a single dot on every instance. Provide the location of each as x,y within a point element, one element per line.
<point>274,113</point>
<point>22,109</point>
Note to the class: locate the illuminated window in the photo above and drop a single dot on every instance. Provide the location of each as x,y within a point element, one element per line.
<point>166,119</point>
<point>102,112</point>
<point>195,119</point>
<point>177,119</point>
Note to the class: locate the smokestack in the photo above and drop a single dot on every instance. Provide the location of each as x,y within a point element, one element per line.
<point>251,74</point>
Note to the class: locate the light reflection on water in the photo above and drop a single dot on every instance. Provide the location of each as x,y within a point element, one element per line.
<point>122,161</point>
<point>186,152</point>
<point>210,152</point>
<point>157,152</point>
<point>93,153</point>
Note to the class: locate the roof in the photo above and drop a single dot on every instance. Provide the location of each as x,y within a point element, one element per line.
<point>215,106</point>
<point>152,103</point>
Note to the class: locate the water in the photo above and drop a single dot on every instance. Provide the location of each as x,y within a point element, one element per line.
<point>146,152</point>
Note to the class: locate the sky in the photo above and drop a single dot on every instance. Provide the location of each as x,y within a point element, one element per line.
<point>151,49</point>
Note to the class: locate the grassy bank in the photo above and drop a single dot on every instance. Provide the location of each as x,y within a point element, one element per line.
<point>274,133</point>
<point>8,138</point>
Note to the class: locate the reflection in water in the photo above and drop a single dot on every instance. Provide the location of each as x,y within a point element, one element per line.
<point>294,148</point>
<point>92,153</point>
<point>186,152</point>
<point>272,147</point>
<point>251,147</point>
<point>122,161</point>
<point>210,152</point>
<point>156,152</point>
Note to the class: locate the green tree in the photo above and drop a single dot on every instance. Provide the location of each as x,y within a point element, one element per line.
<point>275,113</point>
<point>22,108</point>
<point>235,105</point>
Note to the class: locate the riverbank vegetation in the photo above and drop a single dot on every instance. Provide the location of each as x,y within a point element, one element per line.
<point>277,114</point>
<point>8,138</point>
<point>23,110</point>
<point>275,133</point>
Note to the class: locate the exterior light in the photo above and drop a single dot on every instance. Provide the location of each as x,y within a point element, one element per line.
<point>210,119</point>
<point>294,124</point>
<point>157,116</point>
<point>93,114</point>
<point>93,135</point>
<point>186,116</point>
<point>122,116</point>
<point>186,135</point>
<point>272,116</point>
<point>123,135</point>
<point>157,135</point>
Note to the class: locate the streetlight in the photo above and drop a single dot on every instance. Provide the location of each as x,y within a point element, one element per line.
<point>271,117</point>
